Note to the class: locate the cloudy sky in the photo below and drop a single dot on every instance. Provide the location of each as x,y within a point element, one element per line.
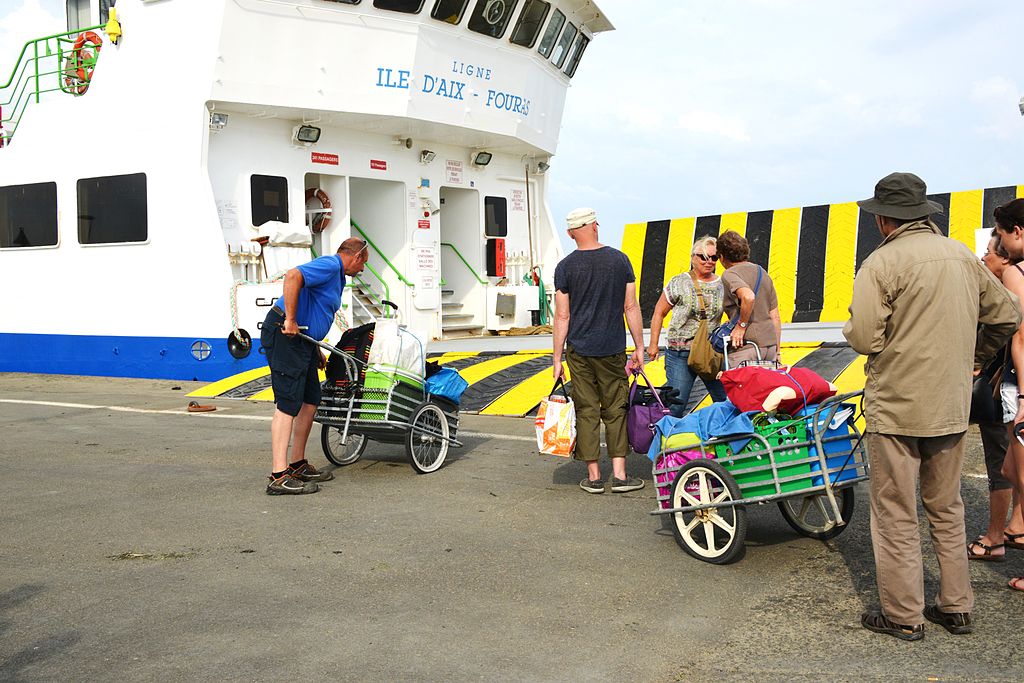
<point>693,108</point>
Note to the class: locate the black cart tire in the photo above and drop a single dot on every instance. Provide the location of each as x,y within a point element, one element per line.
<point>426,442</point>
<point>812,515</point>
<point>714,535</point>
<point>339,453</point>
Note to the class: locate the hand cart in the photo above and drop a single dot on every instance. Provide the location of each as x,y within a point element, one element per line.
<point>807,465</point>
<point>381,402</point>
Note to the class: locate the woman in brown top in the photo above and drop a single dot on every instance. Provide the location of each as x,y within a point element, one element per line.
<point>756,317</point>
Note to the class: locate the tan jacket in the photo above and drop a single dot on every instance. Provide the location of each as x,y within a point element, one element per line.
<point>917,303</point>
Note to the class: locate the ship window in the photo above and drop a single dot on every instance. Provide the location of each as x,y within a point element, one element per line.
<point>576,55</point>
<point>562,48</point>
<point>554,26</point>
<point>449,10</point>
<point>105,11</point>
<point>28,215</point>
<point>490,17</point>
<point>532,18</point>
<point>407,6</point>
<point>112,209</point>
<point>78,14</point>
<point>495,216</point>
<point>269,199</point>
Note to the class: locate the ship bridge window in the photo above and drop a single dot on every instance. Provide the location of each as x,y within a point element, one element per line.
<point>530,20</point>
<point>495,216</point>
<point>269,199</point>
<point>491,17</point>
<point>407,6</point>
<point>576,55</point>
<point>112,209</point>
<point>551,34</point>
<point>449,10</point>
<point>28,215</point>
<point>562,48</point>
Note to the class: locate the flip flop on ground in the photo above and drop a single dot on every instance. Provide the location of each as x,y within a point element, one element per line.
<point>988,552</point>
<point>1017,583</point>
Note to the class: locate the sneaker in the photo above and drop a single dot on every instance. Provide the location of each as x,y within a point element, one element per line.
<point>287,484</point>
<point>627,484</point>
<point>879,623</point>
<point>592,485</point>
<point>306,472</point>
<point>957,623</point>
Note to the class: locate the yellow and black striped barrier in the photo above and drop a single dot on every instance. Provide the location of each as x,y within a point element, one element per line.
<point>513,384</point>
<point>811,253</point>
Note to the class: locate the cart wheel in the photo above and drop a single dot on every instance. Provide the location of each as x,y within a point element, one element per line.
<point>713,535</point>
<point>338,452</point>
<point>812,515</point>
<point>427,439</point>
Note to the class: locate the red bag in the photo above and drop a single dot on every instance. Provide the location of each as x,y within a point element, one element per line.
<point>747,388</point>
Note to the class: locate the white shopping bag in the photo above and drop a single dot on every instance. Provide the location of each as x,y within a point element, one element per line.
<point>395,347</point>
<point>556,425</point>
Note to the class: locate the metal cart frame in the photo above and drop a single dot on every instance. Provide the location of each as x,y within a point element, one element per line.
<point>706,504</point>
<point>352,414</point>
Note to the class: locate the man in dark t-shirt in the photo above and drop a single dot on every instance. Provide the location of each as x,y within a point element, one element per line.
<point>594,287</point>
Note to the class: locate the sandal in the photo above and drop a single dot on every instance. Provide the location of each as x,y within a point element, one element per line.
<point>1012,542</point>
<point>879,623</point>
<point>1017,583</point>
<point>989,554</point>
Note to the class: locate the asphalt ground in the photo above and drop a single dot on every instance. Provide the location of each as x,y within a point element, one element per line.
<point>139,545</point>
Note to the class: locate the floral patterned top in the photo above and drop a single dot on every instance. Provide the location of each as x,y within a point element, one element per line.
<point>686,308</point>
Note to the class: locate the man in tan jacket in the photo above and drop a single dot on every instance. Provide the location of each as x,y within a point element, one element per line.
<point>917,303</point>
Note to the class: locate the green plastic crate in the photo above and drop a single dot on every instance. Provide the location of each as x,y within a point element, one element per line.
<point>760,482</point>
<point>407,395</point>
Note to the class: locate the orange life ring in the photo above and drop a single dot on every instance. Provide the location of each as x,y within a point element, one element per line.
<point>80,62</point>
<point>320,221</point>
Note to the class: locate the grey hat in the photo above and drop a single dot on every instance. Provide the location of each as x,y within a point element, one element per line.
<point>900,195</point>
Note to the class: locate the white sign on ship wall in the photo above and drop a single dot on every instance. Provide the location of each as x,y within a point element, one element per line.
<point>453,172</point>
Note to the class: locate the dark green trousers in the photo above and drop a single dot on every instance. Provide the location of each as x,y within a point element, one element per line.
<point>601,394</point>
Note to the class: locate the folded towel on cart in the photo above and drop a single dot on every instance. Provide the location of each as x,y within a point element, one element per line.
<point>717,419</point>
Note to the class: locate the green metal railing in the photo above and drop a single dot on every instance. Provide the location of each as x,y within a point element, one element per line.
<point>463,259</point>
<point>45,65</point>
<point>401,278</point>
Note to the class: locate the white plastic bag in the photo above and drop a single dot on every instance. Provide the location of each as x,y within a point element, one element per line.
<point>556,425</point>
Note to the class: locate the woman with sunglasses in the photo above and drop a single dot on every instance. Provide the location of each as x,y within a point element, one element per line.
<point>680,296</point>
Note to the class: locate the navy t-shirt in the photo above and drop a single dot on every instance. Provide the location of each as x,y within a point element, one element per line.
<point>595,280</point>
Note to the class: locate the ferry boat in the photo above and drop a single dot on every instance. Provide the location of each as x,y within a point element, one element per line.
<point>164,162</point>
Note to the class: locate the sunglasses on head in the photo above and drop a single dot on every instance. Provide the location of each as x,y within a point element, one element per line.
<point>707,259</point>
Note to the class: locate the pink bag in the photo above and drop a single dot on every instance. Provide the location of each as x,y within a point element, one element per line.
<point>665,480</point>
<point>641,418</point>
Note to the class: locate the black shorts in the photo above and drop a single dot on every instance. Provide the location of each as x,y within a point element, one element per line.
<point>293,366</point>
<point>994,439</point>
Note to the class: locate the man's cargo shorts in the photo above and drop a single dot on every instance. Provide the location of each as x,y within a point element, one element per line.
<point>293,365</point>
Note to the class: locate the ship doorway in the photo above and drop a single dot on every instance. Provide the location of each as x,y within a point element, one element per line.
<point>463,289</point>
<point>378,215</point>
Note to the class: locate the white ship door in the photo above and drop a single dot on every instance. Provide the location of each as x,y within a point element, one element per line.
<point>379,215</point>
<point>463,289</point>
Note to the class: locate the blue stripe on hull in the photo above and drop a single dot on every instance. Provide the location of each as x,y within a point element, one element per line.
<point>145,357</point>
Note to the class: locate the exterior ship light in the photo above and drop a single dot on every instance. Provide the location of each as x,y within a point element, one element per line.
<point>305,135</point>
<point>482,158</point>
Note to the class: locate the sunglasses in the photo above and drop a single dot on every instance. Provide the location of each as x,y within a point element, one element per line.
<point>707,259</point>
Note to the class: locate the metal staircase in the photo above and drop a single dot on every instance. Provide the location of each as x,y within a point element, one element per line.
<point>45,65</point>
<point>454,321</point>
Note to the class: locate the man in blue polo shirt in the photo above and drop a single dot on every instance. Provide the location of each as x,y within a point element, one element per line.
<point>312,295</point>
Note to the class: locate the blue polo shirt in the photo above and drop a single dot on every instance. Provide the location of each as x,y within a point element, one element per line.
<point>323,281</point>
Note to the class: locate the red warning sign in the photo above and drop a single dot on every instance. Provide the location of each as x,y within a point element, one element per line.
<point>378,165</point>
<point>321,158</point>
<point>424,225</point>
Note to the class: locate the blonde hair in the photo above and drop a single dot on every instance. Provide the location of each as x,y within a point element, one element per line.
<point>702,244</point>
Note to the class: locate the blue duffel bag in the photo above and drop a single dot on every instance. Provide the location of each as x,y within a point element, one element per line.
<point>446,383</point>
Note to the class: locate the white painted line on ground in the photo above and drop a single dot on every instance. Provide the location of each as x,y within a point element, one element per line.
<point>258,418</point>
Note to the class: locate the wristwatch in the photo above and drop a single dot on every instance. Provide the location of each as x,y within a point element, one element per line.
<point>744,325</point>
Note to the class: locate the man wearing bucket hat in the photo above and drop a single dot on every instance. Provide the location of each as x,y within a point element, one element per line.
<point>917,303</point>
<point>594,286</point>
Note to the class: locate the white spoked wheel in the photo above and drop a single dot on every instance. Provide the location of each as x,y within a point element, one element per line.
<point>340,452</point>
<point>714,534</point>
<point>812,515</point>
<point>426,443</point>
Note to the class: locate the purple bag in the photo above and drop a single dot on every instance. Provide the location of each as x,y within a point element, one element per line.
<point>641,418</point>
